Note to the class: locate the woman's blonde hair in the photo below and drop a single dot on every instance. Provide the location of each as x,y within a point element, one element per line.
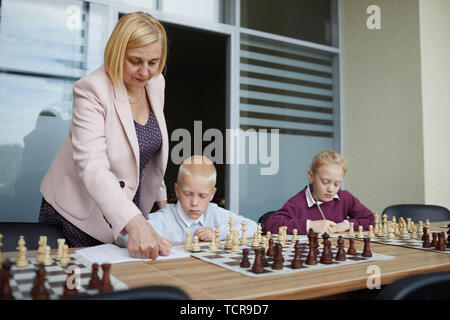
<point>328,157</point>
<point>133,30</point>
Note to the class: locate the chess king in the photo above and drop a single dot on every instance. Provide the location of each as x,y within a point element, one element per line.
<point>194,212</point>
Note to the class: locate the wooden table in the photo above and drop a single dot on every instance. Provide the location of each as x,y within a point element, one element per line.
<point>202,280</point>
<point>206,281</point>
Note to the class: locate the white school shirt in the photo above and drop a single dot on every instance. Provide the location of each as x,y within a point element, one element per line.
<point>310,201</point>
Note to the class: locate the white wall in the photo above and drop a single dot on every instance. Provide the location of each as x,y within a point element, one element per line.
<point>382,103</point>
<point>435,67</point>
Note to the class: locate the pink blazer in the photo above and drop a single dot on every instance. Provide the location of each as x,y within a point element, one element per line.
<point>95,175</point>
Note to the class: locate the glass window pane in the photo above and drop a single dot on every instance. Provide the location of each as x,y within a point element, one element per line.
<point>45,47</point>
<point>208,10</point>
<point>300,19</point>
<point>291,89</point>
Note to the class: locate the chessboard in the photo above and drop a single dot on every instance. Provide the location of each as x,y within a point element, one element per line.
<point>231,260</point>
<point>22,278</point>
<point>404,240</point>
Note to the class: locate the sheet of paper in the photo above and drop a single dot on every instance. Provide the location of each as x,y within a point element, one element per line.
<point>109,253</point>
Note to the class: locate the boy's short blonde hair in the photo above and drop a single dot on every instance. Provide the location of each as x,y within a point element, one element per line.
<point>328,157</point>
<point>133,30</point>
<point>199,167</point>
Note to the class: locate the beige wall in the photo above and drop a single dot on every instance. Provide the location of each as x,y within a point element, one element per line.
<point>382,103</point>
<point>435,59</point>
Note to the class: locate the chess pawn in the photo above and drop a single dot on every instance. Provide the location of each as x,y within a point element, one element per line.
<point>351,249</point>
<point>360,233</point>
<point>394,220</point>
<point>391,234</point>
<point>255,242</point>
<point>414,233</point>
<point>351,232</point>
<point>188,244</point>
<point>47,259</point>
<point>21,242</point>
<point>420,229</point>
<point>408,225</point>
<point>259,232</point>
<point>21,259</point>
<point>397,231</point>
<point>244,239</point>
<point>60,249</point>
<point>196,246</point>
<point>212,246</point>
<point>65,259</point>
<point>294,235</point>
<point>371,233</point>
<point>375,230</point>
<point>229,242</point>
<point>427,224</point>
<point>405,229</point>
<point>380,232</point>
<point>269,235</point>
<point>236,242</point>
<point>41,249</point>
<point>218,242</point>
<point>366,251</point>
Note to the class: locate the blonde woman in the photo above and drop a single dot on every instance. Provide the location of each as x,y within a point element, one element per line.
<point>109,171</point>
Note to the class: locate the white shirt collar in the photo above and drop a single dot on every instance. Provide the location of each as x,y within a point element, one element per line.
<point>310,200</point>
<point>187,220</point>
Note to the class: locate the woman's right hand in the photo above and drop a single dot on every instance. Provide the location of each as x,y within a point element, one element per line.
<point>143,241</point>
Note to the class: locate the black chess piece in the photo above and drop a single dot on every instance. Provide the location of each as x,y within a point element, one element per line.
<point>351,249</point>
<point>39,291</point>
<point>94,282</point>
<point>105,285</point>
<point>245,263</point>
<point>296,263</point>
<point>311,259</point>
<point>327,254</point>
<point>441,242</point>
<point>264,258</point>
<point>434,240</point>
<point>5,287</point>
<point>278,258</point>
<point>270,250</point>
<point>340,254</point>
<point>257,265</point>
<point>425,232</point>
<point>366,251</point>
<point>426,241</point>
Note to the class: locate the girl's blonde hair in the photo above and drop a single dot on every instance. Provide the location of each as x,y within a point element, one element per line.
<point>132,31</point>
<point>328,157</point>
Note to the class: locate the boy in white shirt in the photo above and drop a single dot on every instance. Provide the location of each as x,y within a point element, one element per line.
<point>195,188</point>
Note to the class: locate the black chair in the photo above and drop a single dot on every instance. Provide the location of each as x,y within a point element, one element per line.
<point>31,231</point>
<point>264,218</point>
<point>418,212</point>
<point>431,286</point>
<point>141,293</point>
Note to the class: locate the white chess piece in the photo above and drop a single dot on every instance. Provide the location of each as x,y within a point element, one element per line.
<point>351,231</point>
<point>360,233</point>
<point>60,248</point>
<point>21,259</point>
<point>244,239</point>
<point>218,242</point>
<point>294,235</point>
<point>47,259</point>
<point>212,246</point>
<point>65,258</point>
<point>236,242</point>
<point>188,243</point>
<point>414,232</point>
<point>371,232</point>
<point>196,246</point>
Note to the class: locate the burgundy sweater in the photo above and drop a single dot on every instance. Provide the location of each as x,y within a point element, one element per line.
<point>295,212</point>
